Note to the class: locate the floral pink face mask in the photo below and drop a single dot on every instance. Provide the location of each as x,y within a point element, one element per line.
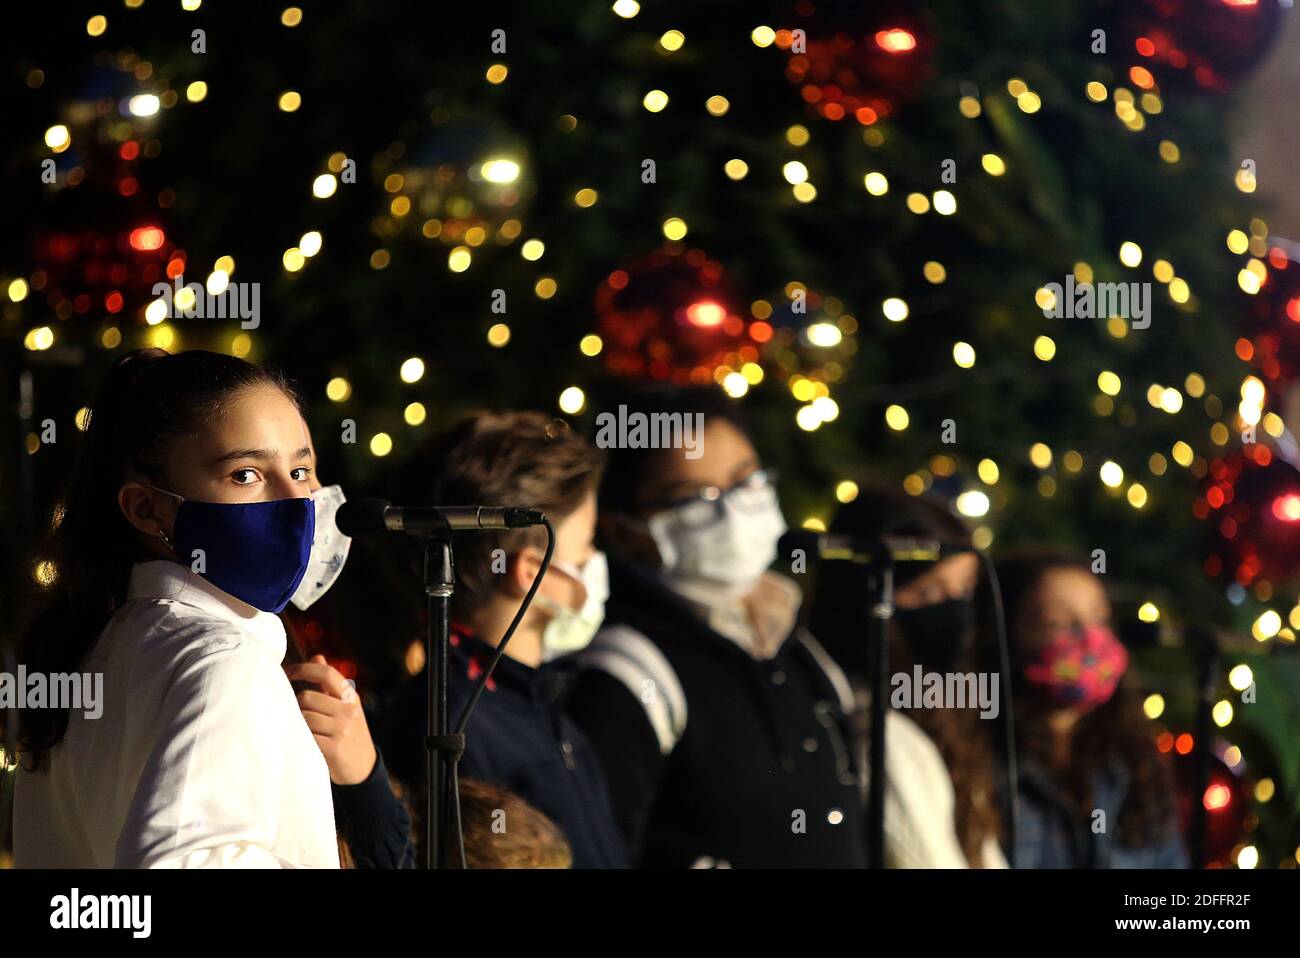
<point>1078,668</point>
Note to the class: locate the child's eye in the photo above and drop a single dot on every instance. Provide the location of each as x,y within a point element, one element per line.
<point>244,477</point>
<point>301,474</point>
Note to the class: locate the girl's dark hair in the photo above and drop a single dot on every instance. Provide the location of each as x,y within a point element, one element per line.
<point>147,400</point>
<point>1114,731</point>
<point>626,468</point>
<point>838,618</point>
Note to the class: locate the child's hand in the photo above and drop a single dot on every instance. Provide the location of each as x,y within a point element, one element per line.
<point>333,712</point>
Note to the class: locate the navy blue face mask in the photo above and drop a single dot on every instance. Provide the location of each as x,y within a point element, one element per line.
<point>254,551</point>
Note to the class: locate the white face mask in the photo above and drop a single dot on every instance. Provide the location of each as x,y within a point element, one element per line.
<point>329,549</point>
<point>730,554</point>
<point>571,630</point>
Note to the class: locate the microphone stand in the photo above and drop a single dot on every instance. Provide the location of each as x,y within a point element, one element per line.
<point>882,612</point>
<point>443,748</point>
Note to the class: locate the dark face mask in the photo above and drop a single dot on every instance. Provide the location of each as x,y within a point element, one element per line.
<point>938,634</point>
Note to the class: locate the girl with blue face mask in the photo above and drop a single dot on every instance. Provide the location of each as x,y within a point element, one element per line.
<point>187,526</point>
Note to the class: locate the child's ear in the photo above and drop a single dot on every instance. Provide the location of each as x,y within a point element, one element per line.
<point>149,511</point>
<point>522,569</point>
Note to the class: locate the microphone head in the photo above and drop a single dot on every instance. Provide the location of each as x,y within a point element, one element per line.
<point>362,517</point>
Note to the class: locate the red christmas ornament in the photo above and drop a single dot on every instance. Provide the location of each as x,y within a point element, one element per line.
<point>1272,320</point>
<point>1201,44</point>
<point>1252,502</point>
<point>668,316</point>
<point>856,61</point>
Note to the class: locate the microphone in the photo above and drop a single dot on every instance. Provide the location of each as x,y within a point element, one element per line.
<point>372,517</point>
<point>864,549</point>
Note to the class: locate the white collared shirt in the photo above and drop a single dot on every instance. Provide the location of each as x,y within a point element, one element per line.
<point>201,757</point>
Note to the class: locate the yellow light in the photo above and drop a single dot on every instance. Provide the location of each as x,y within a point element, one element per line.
<point>96,25</point>
<point>532,249</point>
<point>895,309</point>
<point>291,16</point>
<point>1040,455</point>
<point>218,282</point>
<point>813,524</point>
<point>1178,290</point>
<point>196,92</point>
<point>798,135</point>
<point>1171,400</point>
<point>156,312</point>
<point>1137,495</point>
<point>1266,626</point>
<point>627,9</point>
<point>1241,677</point>
<point>500,171</point>
<point>1096,91</point>
<point>18,290</point>
<point>458,259</point>
<point>752,372</point>
<point>896,418</point>
<point>1182,453</point>
<point>917,203</point>
<point>163,337</point>
<point>323,186</point>
<point>1072,460</point>
<point>1109,383</point>
<point>674,228</point>
<point>762,36</point>
<point>45,573</point>
<point>290,100</point>
<point>993,164</point>
<point>1265,788</point>
<point>1154,705</point>
<point>807,419</point>
<point>672,40</point>
<point>1130,254</point>
<point>795,172</point>
<point>1017,86</point>
<point>969,107</point>
<point>736,169</point>
<point>241,344</point>
<point>655,101</point>
<point>846,491</point>
<point>735,385</point>
<point>1111,474</point>
<point>945,204</point>
<point>57,138</point>
<point>876,183</point>
<point>498,335</point>
<point>591,345</point>
<point>412,370</point>
<point>717,105</point>
<point>572,400</point>
<point>497,73</point>
<point>381,444</point>
<point>585,197</point>
<point>804,192</point>
<point>293,259</point>
<point>1045,348</point>
<point>824,335</point>
<point>191,5</point>
<point>143,104</point>
<point>1245,180</point>
<point>1029,102</point>
<point>973,503</point>
<point>963,354</point>
<point>1222,713</point>
<point>1162,270</point>
<point>934,272</point>
<point>1169,151</point>
<point>39,339</point>
<point>111,338</point>
<point>545,287</point>
<point>225,264</point>
<point>1248,857</point>
<point>1238,242</point>
<point>988,472</point>
<point>414,414</point>
<point>1248,281</point>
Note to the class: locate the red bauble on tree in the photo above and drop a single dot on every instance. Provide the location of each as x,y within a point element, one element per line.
<point>668,316</point>
<point>856,61</point>
<point>1202,44</point>
<point>1272,320</point>
<point>1252,500</point>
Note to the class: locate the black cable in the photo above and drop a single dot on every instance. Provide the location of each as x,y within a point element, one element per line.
<point>453,780</point>
<point>1010,764</point>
